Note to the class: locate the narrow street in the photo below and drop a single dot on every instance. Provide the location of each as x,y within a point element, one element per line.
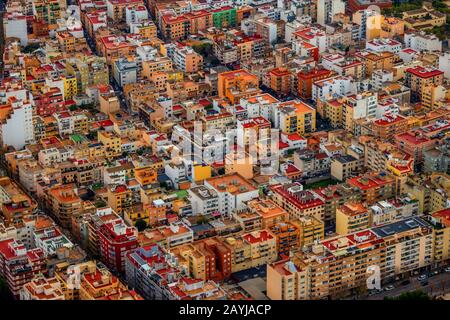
<point>437,285</point>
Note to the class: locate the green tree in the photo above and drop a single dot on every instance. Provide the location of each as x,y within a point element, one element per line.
<point>141,225</point>
<point>164,185</point>
<point>204,49</point>
<point>100,203</point>
<point>411,295</point>
<point>202,220</point>
<point>361,291</point>
<point>31,47</point>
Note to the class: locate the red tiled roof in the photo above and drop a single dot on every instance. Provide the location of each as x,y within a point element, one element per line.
<point>424,72</point>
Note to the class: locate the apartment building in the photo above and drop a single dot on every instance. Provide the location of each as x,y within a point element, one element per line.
<point>415,144</point>
<point>374,186</point>
<point>441,235</point>
<point>388,126</point>
<point>217,258</point>
<point>331,269</point>
<point>41,288</point>
<point>419,78</point>
<point>352,217</point>
<point>312,163</point>
<point>421,41</point>
<point>387,211</point>
<point>113,47</point>
<point>344,167</point>
<point>125,71</point>
<point>64,203</point>
<point>334,196</point>
<point>51,240</point>
<point>187,60</point>
<point>99,283</point>
<point>287,235</point>
<point>298,203</point>
<point>48,11</point>
<point>376,60</point>
<point>306,78</point>
<point>116,9</point>
<point>233,191</point>
<point>333,87</point>
<point>199,20</point>
<point>120,198</point>
<point>148,271</point>
<point>14,114</point>
<point>252,249</point>
<point>15,203</point>
<point>382,45</point>
<point>279,80</point>
<point>48,101</point>
<point>224,17</point>
<point>424,18</point>
<point>295,117</point>
<point>111,142</point>
<point>401,169</point>
<point>204,200</point>
<point>409,246</point>
<point>311,230</point>
<point>174,27</point>
<point>88,71</point>
<point>269,212</point>
<point>18,265</point>
<point>116,239</point>
<point>432,192</point>
<point>169,236</point>
<point>358,106</point>
<point>236,85</point>
<point>190,259</point>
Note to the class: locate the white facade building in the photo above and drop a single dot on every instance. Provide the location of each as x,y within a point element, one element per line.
<point>17,129</point>
<point>329,88</point>
<point>233,191</point>
<point>326,9</point>
<point>15,26</point>
<point>381,45</point>
<point>125,72</point>
<point>379,77</point>
<point>444,64</point>
<point>203,200</point>
<point>136,14</point>
<point>421,41</point>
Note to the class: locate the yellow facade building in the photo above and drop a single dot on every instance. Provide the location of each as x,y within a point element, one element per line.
<point>441,235</point>
<point>70,87</point>
<point>296,117</point>
<point>111,143</point>
<point>351,217</point>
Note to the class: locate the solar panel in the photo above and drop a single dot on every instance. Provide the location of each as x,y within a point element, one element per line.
<point>387,230</point>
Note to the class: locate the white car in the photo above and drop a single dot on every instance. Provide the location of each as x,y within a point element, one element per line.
<point>389,287</point>
<point>447,269</point>
<point>422,277</point>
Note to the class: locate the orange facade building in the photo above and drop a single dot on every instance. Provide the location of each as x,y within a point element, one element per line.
<point>237,84</point>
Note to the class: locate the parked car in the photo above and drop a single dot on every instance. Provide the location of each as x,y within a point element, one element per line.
<point>389,287</point>
<point>405,282</point>
<point>434,273</point>
<point>372,293</point>
<point>424,283</point>
<point>422,277</point>
<point>447,269</point>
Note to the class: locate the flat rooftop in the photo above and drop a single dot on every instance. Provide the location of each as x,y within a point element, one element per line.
<point>400,226</point>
